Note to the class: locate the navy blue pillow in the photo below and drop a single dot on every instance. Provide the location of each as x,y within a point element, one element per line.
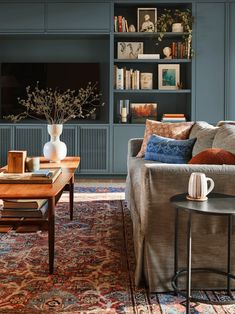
<point>168,150</point>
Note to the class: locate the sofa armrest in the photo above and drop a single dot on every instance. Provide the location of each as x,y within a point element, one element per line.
<point>134,146</point>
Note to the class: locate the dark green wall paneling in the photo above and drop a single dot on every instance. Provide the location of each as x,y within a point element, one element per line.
<point>121,136</point>
<point>6,142</point>
<point>21,17</point>
<point>78,16</point>
<point>231,65</point>
<point>210,39</point>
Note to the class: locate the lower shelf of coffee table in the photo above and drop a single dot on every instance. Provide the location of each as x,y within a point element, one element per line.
<point>23,225</point>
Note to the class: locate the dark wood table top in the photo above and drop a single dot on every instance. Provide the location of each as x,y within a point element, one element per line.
<point>217,204</point>
<point>27,191</point>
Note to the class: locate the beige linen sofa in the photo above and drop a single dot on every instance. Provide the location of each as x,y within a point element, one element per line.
<point>149,188</point>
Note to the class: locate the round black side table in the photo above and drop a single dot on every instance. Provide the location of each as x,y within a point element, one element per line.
<point>217,204</point>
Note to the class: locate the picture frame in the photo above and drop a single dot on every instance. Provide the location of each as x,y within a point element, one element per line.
<point>142,111</point>
<point>168,76</point>
<point>129,50</point>
<point>146,20</point>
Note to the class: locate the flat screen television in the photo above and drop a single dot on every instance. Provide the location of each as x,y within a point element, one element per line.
<point>15,77</point>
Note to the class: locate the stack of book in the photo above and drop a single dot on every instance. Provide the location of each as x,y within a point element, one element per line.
<point>179,50</point>
<point>173,117</point>
<point>33,208</point>
<point>120,24</point>
<point>126,79</point>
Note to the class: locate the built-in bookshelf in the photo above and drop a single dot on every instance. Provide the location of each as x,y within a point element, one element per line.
<point>129,69</point>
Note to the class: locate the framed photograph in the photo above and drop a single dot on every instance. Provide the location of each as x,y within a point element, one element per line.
<point>142,111</point>
<point>146,19</point>
<point>168,76</point>
<point>129,50</point>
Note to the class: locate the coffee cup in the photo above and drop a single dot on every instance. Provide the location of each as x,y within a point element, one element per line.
<point>198,186</point>
<point>32,163</point>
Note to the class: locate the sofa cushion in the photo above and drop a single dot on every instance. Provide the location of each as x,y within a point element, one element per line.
<point>205,134</point>
<point>168,150</point>
<point>214,156</point>
<point>179,131</point>
<point>225,138</point>
<point>223,122</point>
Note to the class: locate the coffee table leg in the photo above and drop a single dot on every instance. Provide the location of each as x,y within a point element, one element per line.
<point>71,195</point>
<point>189,265</point>
<point>176,244</point>
<point>51,233</point>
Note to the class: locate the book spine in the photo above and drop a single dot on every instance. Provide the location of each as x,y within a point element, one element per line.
<point>120,79</point>
<point>119,23</point>
<point>115,24</point>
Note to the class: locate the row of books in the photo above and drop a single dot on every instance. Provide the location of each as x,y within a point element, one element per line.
<point>19,208</point>
<point>179,50</point>
<point>126,79</point>
<point>120,24</point>
<point>173,117</point>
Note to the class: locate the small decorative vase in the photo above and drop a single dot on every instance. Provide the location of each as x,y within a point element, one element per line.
<point>55,150</point>
<point>177,28</point>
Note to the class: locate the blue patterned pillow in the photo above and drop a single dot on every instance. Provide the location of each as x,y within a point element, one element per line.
<point>168,150</point>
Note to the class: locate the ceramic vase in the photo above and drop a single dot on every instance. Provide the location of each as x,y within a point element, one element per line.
<point>177,28</point>
<point>55,150</point>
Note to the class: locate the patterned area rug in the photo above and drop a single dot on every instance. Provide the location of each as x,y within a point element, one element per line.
<point>94,265</point>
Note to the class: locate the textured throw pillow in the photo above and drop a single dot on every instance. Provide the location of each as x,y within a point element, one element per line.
<point>225,138</point>
<point>214,156</point>
<point>205,134</point>
<point>168,150</point>
<point>179,131</point>
<point>220,123</point>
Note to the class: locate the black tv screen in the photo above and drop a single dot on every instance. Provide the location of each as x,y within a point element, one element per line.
<point>15,77</point>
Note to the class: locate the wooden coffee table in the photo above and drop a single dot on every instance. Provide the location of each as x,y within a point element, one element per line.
<point>51,192</point>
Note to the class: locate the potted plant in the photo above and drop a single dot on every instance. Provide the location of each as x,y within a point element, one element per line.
<point>170,17</point>
<point>57,107</point>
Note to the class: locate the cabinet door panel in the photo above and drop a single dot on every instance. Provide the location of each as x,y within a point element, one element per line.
<point>30,138</point>
<point>6,140</point>
<point>94,149</point>
<point>79,16</point>
<point>231,64</point>
<point>17,17</point>
<point>121,137</point>
<point>210,61</point>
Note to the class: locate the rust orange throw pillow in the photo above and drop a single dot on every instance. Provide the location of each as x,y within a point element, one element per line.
<point>213,156</point>
<point>177,131</point>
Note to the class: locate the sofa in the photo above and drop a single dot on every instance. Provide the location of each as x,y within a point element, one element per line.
<point>149,187</point>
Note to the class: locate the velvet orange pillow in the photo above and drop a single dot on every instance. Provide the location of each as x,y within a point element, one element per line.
<point>213,156</point>
<point>177,131</point>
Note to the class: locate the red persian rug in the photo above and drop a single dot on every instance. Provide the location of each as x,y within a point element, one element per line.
<point>94,264</point>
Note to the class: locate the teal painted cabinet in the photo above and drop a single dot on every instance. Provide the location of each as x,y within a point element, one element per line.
<point>230,112</point>
<point>121,135</point>
<point>78,17</point>
<point>210,54</point>
<point>21,17</point>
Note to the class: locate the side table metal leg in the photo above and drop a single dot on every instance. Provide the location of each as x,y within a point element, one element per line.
<point>229,255</point>
<point>176,244</point>
<point>189,265</point>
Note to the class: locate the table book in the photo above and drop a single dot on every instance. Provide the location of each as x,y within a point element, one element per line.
<point>29,177</point>
<point>23,203</point>
<point>25,212</point>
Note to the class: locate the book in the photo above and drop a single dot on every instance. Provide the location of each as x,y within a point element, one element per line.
<point>120,78</point>
<point>27,177</point>
<point>42,173</point>
<point>148,56</point>
<point>119,23</point>
<point>22,203</point>
<point>21,212</point>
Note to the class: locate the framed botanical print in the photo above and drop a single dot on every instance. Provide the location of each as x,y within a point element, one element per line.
<point>129,50</point>
<point>168,76</point>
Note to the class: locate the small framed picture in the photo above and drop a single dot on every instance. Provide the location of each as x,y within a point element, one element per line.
<point>142,111</point>
<point>168,76</point>
<point>146,19</point>
<point>129,50</point>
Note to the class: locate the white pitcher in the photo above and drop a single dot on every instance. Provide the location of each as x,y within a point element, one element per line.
<point>198,186</point>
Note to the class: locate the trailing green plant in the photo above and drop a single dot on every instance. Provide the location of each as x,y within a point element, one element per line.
<point>171,16</point>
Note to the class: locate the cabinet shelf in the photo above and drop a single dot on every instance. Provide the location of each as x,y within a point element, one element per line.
<point>143,34</point>
<point>152,91</point>
<point>152,60</point>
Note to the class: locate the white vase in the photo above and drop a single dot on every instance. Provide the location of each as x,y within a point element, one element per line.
<point>55,150</point>
<point>177,28</point>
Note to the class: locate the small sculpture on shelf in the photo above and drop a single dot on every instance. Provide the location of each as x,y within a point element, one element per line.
<point>132,28</point>
<point>167,53</point>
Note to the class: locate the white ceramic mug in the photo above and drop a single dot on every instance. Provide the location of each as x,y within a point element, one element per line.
<point>198,185</point>
<point>33,163</point>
